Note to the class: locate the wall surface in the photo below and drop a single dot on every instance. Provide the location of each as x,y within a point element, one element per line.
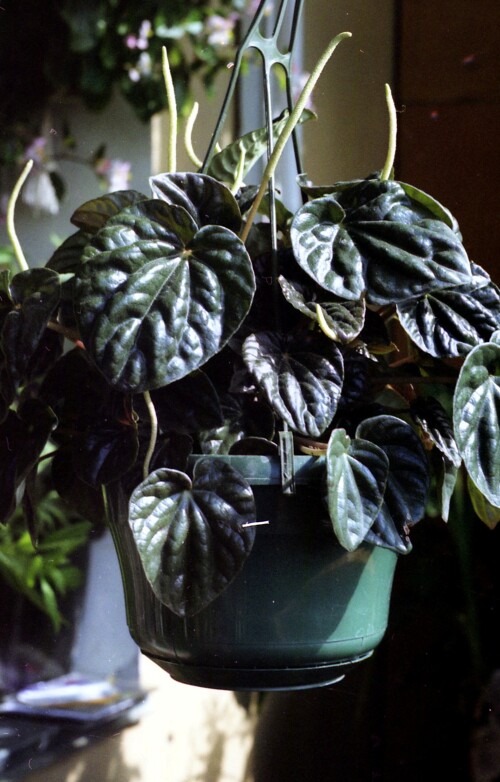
<point>350,138</point>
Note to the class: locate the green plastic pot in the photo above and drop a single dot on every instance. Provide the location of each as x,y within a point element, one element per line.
<point>298,615</point>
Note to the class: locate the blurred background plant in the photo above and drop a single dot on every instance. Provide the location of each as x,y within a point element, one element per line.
<point>90,49</point>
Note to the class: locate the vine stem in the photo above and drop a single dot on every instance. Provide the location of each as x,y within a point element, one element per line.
<point>393,130</point>
<point>153,434</point>
<point>188,136</point>
<point>11,206</point>
<point>172,110</point>
<point>288,129</point>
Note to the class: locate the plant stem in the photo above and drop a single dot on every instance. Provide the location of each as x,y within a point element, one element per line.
<point>172,110</point>
<point>11,206</point>
<point>154,433</point>
<point>188,136</point>
<point>288,129</point>
<point>393,129</point>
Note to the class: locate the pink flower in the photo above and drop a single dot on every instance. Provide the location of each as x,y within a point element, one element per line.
<point>220,29</point>
<point>114,173</point>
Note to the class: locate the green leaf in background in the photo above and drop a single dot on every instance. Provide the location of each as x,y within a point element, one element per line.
<point>191,535</point>
<point>449,323</point>
<point>476,414</point>
<point>301,383</point>
<point>158,297</point>
<point>224,164</point>
<point>357,472</point>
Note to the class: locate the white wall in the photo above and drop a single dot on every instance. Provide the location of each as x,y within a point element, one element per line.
<point>125,137</point>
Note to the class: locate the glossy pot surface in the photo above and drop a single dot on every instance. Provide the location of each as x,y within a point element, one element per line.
<point>301,611</point>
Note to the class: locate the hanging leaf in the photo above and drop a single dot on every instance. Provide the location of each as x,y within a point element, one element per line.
<point>488,513</point>
<point>408,481</point>
<point>384,532</point>
<point>35,295</point>
<point>476,414</point>
<point>190,534</point>
<point>450,322</point>
<point>301,385</point>
<point>157,297</point>
<point>357,473</point>
<point>430,414</point>
<point>208,201</point>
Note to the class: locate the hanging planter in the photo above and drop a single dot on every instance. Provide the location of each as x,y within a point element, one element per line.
<point>299,613</point>
<point>268,348</point>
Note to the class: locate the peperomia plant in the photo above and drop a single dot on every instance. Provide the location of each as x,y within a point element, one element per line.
<point>356,330</point>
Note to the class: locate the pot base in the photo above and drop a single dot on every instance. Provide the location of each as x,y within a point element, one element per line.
<point>259,679</point>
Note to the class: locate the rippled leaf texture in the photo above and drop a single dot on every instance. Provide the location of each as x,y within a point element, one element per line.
<point>207,201</point>
<point>449,323</point>
<point>476,418</point>
<point>344,319</point>
<point>94,214</point>
<point>372,238</point>
<point>301,383</point>
<point>224,164</point>
<point>430,414</point>
<point>407,484</point>
<point>158,296</point>
<point>190,534</point>
<point>357,472</point>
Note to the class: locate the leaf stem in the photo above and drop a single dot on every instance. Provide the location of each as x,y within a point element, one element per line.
<point>172,110</point>
<point>288,129</point>
<point>393,129</point>
<point>153,435</point>
<point>11,206</point>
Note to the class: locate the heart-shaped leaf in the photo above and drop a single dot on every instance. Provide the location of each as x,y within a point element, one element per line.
<point>357,473</point>
<point>476,418</point>
<point>371,237</point>
<point>302,383</point>
<point>157,297</point>
<point>208,201</point>
<point>449,323</point>
<point>408,481</point>
<point>191,535</point>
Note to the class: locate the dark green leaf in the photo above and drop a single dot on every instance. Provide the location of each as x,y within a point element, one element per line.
<point>449,323</point>
<point>224,164</point>
<point>188,405</point>
<point>158,298</point>
<point>438,427</point>
<point>371,237</point>
<point>191,536</point>
<point>35,295</point>
<point>301,383</point>
<point>94,214</point>
<point>344,319</point>
<point>476,418</point>
<point>408,481</point>
<point>243,417</point>
<point>208,201</point>
<point>357,473</point>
